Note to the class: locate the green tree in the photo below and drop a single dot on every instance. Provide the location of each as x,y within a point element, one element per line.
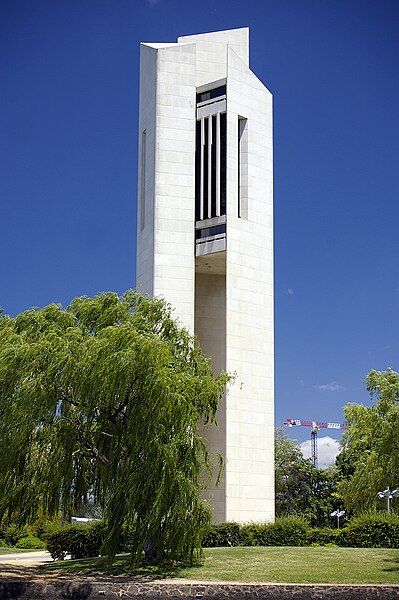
<point>301,489</point>
<point>369,458</point>
<point>100,403</point>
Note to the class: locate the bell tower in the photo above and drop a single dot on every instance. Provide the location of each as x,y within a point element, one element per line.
<point>205,238</point>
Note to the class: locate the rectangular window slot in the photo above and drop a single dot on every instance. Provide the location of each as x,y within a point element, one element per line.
<point>242,191</point>
<point>143,177</point>
<point>210,231</point>
<point>223,172</point>
<point>211,94</point>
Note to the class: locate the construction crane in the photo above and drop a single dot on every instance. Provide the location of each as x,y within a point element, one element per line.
<point>316,426</point>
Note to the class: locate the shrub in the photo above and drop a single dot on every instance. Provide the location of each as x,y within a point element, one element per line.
<point>285,531</point>
<point>324,536</point>
<point>255,534</point>
<point>223,534</point>
<point>3,544</point>
<point>80,541</point>
<point>30,542</point>
<point>42,528</point>
<point>372,530</point>
<point>13,533</point>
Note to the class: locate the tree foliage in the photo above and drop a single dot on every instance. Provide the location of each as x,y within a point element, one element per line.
<point>369,458</point>
<point>100,402</point>
<point>301,489</point>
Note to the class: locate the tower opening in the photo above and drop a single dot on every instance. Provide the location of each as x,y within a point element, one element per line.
<point>210,154</point>
<point>210,169</point>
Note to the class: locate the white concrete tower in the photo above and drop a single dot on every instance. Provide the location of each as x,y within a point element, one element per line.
<point>205,238</point>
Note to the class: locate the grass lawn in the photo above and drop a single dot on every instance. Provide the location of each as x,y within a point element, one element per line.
<point>280,565</point>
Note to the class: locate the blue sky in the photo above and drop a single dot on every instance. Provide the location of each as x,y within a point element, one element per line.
<point>68,120</point>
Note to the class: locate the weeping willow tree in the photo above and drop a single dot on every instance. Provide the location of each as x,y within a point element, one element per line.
<point>100,402</point>
<point>369,459</point>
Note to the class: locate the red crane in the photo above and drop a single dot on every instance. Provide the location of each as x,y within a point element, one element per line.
<point>316,426</point>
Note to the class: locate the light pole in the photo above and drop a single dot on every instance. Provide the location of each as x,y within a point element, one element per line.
<point>338,514</point>
<point>388,494</point>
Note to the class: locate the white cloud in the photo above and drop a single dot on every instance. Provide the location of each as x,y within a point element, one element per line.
<point>290,292</point>
<point>327,447</point>
<point>329,387</point>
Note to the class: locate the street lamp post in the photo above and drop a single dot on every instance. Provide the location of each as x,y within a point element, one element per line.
<point>388,495</point>
<point>338,514</point>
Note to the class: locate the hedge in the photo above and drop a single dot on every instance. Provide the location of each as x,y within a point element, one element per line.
<point>80,541</point>
<point>378,530</point>
<point>325,536</point>
<point>285,531</point>
<point>83,541</point>
<point>40,529</point>
<point>371,530</point>
<point>30,542</point>
<point>224,534</point>
<point>12,533</point>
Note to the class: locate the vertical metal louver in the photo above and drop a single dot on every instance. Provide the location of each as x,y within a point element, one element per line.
<point>210,154</point>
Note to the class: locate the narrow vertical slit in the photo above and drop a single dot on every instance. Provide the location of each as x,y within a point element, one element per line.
<point>218,164</point>
<point>242,168</point>
<point>198,171</point>
<point>213,179</point>
<point>209,167</point>
<point>223,163</point>
<point>202,169</point>
<point>239,133</point>
<point>205,167</point>
<point>143,177</point>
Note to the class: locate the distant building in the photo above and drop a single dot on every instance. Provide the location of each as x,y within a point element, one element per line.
<point>205,238</point>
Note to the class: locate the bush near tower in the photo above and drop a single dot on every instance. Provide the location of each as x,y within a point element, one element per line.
<point>100,403</point>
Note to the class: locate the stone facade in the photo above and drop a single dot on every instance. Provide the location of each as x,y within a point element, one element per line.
<point>205,238</point>
<point>79,590</point>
